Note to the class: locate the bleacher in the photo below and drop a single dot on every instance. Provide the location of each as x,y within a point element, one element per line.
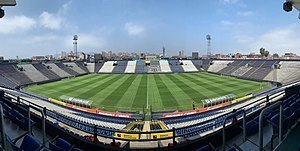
<point>188,66</point>
<point>231,67</point>
<point>107,67</point>
<point>82,66</point>
<point>72,67</point>
<point>120,67</point>
<point>131,65</point>
<point>175,66</point>
<point>197,64</point>
<point>4,82</point>
<point>217,65</point>
<point>32,73</point>
<point>11,72</point>
<point>90,67</point>
<point>60,72</point>
<point>288,71</point>
<point>140,67</point>
<point>164,66</point>
<point>204,64</point>
<point>67,69</point>
<point>46,72</point>
<point>98,66</point>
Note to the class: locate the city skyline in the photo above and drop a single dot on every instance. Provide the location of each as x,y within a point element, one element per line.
<point>35,27</point>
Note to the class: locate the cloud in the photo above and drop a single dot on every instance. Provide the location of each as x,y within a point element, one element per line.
<point>16,24</point>
<point>227,23</point>
<point>280,40</point>
<point>55,21</point>
<point>51,21</point>
<point>133,29</point>
<point>229,1</point>
<point>40,38</point>
<point>245,13</point>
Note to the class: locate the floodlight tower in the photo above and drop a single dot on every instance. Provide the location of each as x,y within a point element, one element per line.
<point>208,38</point>
<point>75,38</point>
<point>164,52</point>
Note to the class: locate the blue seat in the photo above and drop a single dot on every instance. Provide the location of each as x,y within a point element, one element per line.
<point>205,148</point>
<point>251,127</point>
<point>59,144</point>
<point>29,143</point>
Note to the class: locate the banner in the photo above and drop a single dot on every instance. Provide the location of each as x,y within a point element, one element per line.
<point>127,136</point>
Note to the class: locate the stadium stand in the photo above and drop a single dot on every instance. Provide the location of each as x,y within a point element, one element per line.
<point>241,71</point>
<point>141,67</point>
<point>82,66</point>
<point>46,72</point>
<point>11,72</point>
<point>4,82</point>
<point>53,67</point>
<point>107,67</point>
<point>73,66</point>
<point>131,65</point>
<point>197,64</point>
<point>188,66</point>
<point>217,65</point>
<point>175,66</point>
<point>230,68</point>
<point>154,67</point>
<point>120,67</point>
<point>98,66</point>
<point>90,67</point>
<point>204,64</point>
<point>164,65</point>
<point>287,71</point>
<point>67,69</point>
<point>32,73</point>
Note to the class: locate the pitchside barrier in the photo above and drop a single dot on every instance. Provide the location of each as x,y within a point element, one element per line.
<point>90,110</point>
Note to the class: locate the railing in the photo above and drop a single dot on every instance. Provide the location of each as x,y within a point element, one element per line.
<point>95,128</point>
<point>234,115</point>
<point>261,117</point>
<point>2,131</point>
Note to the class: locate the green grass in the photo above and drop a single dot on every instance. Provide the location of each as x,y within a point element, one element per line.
<point>160,91</point>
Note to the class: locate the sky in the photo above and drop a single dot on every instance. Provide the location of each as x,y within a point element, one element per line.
<point>41,27</point>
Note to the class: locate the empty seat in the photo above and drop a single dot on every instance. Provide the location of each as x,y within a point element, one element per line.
<point>59,144</point>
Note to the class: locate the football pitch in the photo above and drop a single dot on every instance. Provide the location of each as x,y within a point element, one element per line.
<point>133,92</point>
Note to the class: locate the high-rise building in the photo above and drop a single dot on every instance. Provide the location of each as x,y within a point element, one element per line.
<point>164,52</point>
<point>180,54</point>
<point>63,55</point>
<point>195,55</point>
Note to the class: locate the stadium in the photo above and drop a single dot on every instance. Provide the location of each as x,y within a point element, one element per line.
<point>150,103</point>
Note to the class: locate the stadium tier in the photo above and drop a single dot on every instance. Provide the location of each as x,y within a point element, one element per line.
<point>262,70</point>
<point>46,72</point>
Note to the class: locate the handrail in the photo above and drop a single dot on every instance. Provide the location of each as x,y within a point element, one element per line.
<point>43,122</point>
<point>233,115</point>
<point>2,129</point>
<point>150,132</point>
<point>261,116</point>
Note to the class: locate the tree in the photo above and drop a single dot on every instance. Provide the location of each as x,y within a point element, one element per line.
<point>275,55</point>
<point>267,53</point>
<point>263,52</point>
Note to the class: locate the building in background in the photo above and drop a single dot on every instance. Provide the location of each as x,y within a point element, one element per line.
<point>195,55</point>
<point>38,58</point>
